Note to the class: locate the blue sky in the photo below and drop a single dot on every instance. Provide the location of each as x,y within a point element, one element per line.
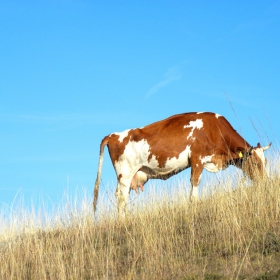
<point>72,72</point>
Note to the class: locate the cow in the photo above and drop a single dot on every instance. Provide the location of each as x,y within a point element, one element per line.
<point>162,149</point>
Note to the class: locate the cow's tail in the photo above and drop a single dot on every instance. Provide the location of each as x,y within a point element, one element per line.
<point>97,182</point>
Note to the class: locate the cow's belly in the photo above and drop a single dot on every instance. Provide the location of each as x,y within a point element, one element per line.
<point>162,173</point>
<point>165,171</point>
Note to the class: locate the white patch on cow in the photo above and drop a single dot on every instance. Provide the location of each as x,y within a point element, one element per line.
<point>176,164</point>
<point>152,163</point>
<point>208,165</point>
<point>217,115</point>
<point>206,159</point>
<point>197,124</point>
<point>260,154</point>
<point>199,113</point>
<point>122,135</point>
<point>135,155</point>
<point>128,159</point>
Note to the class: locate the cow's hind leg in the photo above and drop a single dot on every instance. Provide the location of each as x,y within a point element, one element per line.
<point>122,193</point>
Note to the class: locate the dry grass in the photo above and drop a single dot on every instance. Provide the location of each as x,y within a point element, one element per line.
<point>230,234</point>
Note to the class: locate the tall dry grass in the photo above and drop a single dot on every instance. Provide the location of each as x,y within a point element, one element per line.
<point>233,233</point>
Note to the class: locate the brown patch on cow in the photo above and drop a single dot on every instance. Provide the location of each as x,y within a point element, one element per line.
<point>168,138</point>
<point>119,177</point>
<point>115,147</point>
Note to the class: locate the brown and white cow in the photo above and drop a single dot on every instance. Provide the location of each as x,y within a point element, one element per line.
<point>165,148</point>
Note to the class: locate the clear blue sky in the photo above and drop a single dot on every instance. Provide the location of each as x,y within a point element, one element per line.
<point>72,72</point>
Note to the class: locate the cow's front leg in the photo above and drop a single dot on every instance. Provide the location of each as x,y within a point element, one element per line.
<point>195,180</point>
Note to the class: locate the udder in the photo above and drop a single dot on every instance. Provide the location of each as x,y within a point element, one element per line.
<point>138,181</point>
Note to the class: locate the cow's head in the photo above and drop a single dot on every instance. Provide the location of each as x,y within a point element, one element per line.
<point>254,162</point>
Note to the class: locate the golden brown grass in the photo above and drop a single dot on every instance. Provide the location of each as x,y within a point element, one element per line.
<point>230,234</point>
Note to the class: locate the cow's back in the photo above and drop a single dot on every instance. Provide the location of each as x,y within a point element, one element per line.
<point>168,138</point>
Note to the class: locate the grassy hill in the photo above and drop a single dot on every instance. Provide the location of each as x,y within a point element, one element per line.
<point>233,234</point>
